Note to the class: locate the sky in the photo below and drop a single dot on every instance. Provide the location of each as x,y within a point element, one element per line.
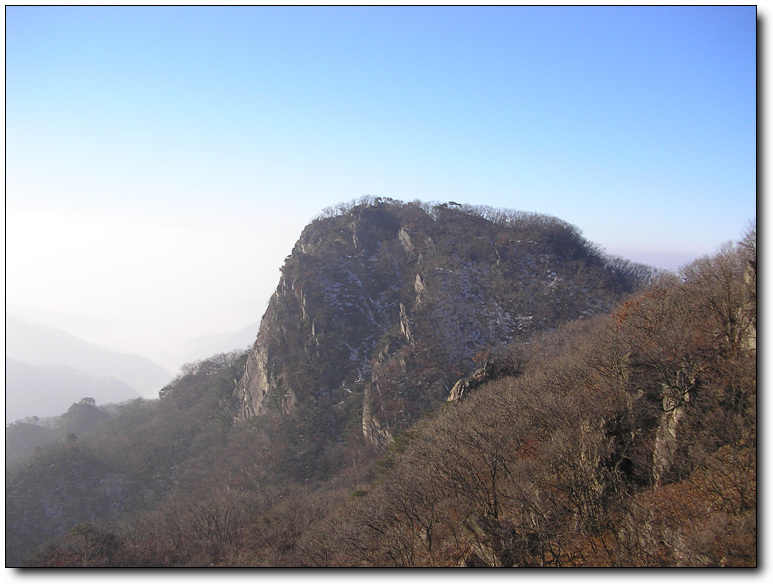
<point>161,162</point>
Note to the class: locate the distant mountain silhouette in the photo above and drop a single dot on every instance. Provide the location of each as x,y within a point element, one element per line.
<point>48,390</point>
<point>40,345</point>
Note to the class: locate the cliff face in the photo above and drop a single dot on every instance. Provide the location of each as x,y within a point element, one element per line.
<point>382,307</point>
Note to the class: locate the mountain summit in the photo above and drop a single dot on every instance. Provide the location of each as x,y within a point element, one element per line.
<point>383,306</point>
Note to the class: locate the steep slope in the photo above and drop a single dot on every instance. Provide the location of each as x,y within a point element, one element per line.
<point>383,306</point>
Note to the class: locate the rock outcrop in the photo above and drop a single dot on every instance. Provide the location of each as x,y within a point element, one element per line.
<point>490,370</point>
<point>383,306</point>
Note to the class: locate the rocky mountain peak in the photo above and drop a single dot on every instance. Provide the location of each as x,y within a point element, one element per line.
<point>382,307</point>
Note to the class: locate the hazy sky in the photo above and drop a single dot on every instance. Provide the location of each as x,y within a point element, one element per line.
<point>161,162</point>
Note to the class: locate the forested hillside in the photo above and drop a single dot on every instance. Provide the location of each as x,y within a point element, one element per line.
<point>615,427</point>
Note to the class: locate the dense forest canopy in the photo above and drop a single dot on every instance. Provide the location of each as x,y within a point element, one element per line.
<point>620,437</point>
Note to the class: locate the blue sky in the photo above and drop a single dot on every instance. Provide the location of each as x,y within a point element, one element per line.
<point>161,162</point>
